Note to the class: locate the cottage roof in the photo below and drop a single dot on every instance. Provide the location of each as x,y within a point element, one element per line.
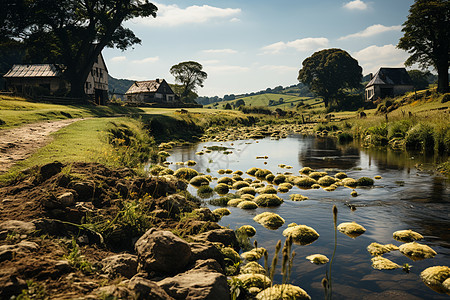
<point>40,70</point>
<point>148,86</point>
<point>390,76</point>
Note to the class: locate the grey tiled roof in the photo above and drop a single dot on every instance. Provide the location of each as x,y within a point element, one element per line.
<point>40,70</point>
<point>390,76</point>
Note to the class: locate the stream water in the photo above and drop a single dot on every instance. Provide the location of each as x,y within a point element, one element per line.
<point>407,197</point>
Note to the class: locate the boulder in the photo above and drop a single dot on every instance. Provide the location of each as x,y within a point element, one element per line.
<point>352,229</point>
<point>317,259</point>
<point>204,251</point>
<point>416,251</point>
<point>225,236</point>
<point>162,252</point>
<point>248,230</point>
<point>17,227</point>
<point>268,200</point>
<point>437,278</point>
<point>202,282</point>
<point>254,255</point>
<point>252,268</point>
<point>376,249</point>
<point>120,264</point>
<point>205,214</point>
<point>145,289</point>
<point>284,291</point>
<point>301,234</point>
<point>407,236</point>
<point>269,220</point>
<point>381,263</point>
<point>254,280</point>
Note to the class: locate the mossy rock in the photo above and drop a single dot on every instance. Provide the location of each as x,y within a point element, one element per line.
<point>221,171</point>
<point>228,171</point>
<point>437,278</point>
<point>283,189</point>
<point>407,236</point>
<point>205,191</point>
<point>354,193</point>
<point>376,249</point>
<point>254,255</point>
<point>416,251</point>
<point>248,230</point>
<point>190,163</point>
<point>317,175</point>
<point>225,180</point>
<point>199,180</point>
<point>231,254</point>
<point>268,200</point>
<point>286,185</point>
<point>352,229</point>
<point>252,268</point>
<point>185,173</point>
<point>163,154</point>
<point>249,180</point>
<point>318,259</point>
<point>266,190</point>
<point>235,202</point>
<point>381,263</point>
<point>340,175</point>
<point>247,205</point>
<point>222,211</point>
<point>156,169</point>
<point>350,182</point>
<point>238,172</point>
<point>297,197</point>
<point>246,190</point>
<point>365,181</point>
<point>252,171</point>
<point>222,189</point>
<point>270,177</point>
<point>306,170</point>
<point>254,280</point>
<point>262,173</point>
<point>280,178</point>
<point>238,178</point>
<point>269,220</point>
<point>305,182</point>
<point>248,197</point>
<point>326,180</point>
<point>330,188</point>
<point>301,234</point>
<point>240,184</point>
<point>378,177</point>
<point>284,291</point>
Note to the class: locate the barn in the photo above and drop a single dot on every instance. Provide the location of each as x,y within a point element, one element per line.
<point>150,91</point>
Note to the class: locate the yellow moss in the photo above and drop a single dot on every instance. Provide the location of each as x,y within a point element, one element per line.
<point>254,280</point>
<point>318,259</point>
<point>266,190</point>
<point>416,251</point>
<point>298,197</point>
<point>269,220</point>
<point>437,278</point>
<point>230,253</point>
<point>354,193</point>
<point>378,177</point>
<point>381,263</point>
<point>350,182</point>
<point>248,197</point>
<point>248,190</point>
<point>223,211</point>
<point>199,180</point>
<point>221,189</point>
<point>376,249</point>
<point>268,200</point>
<point>326,180</point>
<point>340,175</point>
<point>191,163</point>
<point>248,230</point>
<point>306,170</point>
<point>240,184</point>
<point>252,268</point>
<point>352,229</point>
<point>301,234</point>
<point>185,173</point>
<point>225,180</point>
<point>234,202</point>
<point>247,205</point>
<point>284,291</point>
<point>254,254</point>
<point>407,236</point>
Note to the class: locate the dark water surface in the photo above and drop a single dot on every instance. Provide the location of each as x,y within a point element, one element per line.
<point>406,197</point>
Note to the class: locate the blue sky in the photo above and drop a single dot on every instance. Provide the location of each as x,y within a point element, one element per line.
<point>250,45</point>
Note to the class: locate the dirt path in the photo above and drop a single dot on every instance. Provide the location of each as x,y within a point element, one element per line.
<point>17,144</point>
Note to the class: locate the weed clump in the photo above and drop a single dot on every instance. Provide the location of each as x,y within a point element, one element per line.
<point>240,184</point>
<point>297,197</point>
<point>326,181</point>
<point>306,170</point>
<point>225,180</point>
<point>252,171</point>
<point>420,137</point>
<point>266,190</point>
<point>248,230</point>
<point>235,202</point>
<point>205,191</point>
<point>350,182</point>
<point>254,255</point>
<point>252,268</point>
<point>246,191</point>
<point>305,182</point>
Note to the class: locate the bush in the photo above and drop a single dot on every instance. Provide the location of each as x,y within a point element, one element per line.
<point>345,137</point>
<point>398,129</point>
<point>442,140</point>
<point>420,137</point>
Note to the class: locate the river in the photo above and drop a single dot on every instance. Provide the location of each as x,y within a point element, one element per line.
<point>406,197</point>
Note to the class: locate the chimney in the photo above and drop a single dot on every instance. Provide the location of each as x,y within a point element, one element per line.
<point>371,76</point>
<point>157,80</point>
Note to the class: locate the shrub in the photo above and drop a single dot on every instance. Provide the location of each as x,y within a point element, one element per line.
<point>345,137</point>
<point>398,129</point>
<point>420,137</point>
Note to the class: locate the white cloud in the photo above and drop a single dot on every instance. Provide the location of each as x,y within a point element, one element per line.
<point>118,59</point>
<point>306,44</point>
<point>374,57</point>
<point>371,31</point>
<point>146,60</point>
<point>235,20</point>
<point>356,5</point>
<point>220,51</point>
<point>226,68</point>
<point>173,15</point>
<point>277,68</point>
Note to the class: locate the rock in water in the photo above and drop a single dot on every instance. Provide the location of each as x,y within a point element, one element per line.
<point>381,263</point>
<point>351,229</point>
<point>407,236</point>
<point>416,251</point>
<point>437,278</point>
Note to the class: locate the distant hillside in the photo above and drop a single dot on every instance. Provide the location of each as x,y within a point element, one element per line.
<point>118,87</point>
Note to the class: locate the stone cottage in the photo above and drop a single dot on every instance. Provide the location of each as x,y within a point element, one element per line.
<point>388,82</point>
<point>150,91</point>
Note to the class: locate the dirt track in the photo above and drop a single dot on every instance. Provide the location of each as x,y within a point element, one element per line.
<point>17,144</point>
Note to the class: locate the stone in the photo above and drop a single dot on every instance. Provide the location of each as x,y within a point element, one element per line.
<point>252,268</point>
<point>254,255</point>
<point>201,282</point>
<point>352,229</point>
<point>269,220</point>
<point>225,236</point>
<point>85,190</point>
<point>121,264</point>
<point>162,252</point>
<point>146,289</point>
<point>285,291</point>
<point>248,230</point>
<point>381,263</point>
<point>66,199</point>
<point>11,285</point>
<point>376,249</point>
<point>407,236</point>
<point>416,251</point>
<point>254,280</point>
<point>317,259</point>
<point>435,277</point>
<point>301,234</point>
<point>205,214</point>
<point>204,251</point>
<point>18,227</point>
<point>247,205</point>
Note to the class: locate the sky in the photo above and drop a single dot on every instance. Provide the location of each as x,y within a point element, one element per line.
<point>250,45</point>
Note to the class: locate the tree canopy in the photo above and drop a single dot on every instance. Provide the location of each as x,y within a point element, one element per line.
<point>189,74</point>
<point>427,37</point>
<point>329,72</point>
<point>72,32</point>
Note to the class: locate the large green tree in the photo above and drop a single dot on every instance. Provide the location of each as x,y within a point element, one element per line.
<point>427,37</point>
<point>190,75</point>
<point>72,32</point>
<point>328,73</point>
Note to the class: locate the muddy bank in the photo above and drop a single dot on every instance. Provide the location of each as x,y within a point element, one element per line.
<point>86,231</point>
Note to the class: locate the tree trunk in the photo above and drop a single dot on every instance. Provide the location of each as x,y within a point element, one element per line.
<point>443,78</point>
<point>326,101</point>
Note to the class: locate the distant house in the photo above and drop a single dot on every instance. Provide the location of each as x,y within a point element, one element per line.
<point>47,79</point>
<point>150,91</point>
<point>388,82</point>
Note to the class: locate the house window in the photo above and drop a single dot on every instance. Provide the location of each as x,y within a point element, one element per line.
<point>101,73</point>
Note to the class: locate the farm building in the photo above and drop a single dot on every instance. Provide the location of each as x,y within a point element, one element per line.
<point>150,91</point>
<point>388,82</point>
<point>47,79</point>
